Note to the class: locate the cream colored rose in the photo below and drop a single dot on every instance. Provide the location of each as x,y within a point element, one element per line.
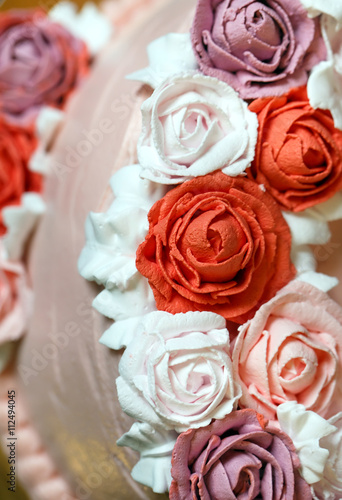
<point>176,373</point>
<point>193,125</point>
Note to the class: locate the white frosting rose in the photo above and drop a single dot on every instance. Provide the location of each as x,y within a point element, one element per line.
<point>325,82</point>
<point>192,125</point>
<point>155,448</point>
<point>318,443</point>
<point>177,372</point>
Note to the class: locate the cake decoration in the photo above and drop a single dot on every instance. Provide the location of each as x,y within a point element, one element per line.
<point>232,348</point>
<point>298,154</point>
<point>259,48</point>
<point>291,351</point>
<point>240,455</point>
<point>15,305</point>
<point>176,371</point>
<point>17,145</point>
<point>216,243</point>
<point>240,325</point>
<point>188,131</point>
<point>318,444</point>
<point>40,63</point>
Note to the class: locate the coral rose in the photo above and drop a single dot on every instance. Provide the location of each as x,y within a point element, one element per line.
<point>40,63</point>
<point>15,304</point>
<point>16,147</point>
<point>292,351</point>
<point>299,151</point>
<point>237,457</point>
<point>259,48</point>
<point>216,243</point>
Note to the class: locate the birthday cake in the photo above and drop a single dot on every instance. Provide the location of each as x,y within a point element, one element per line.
<point>200,202</point>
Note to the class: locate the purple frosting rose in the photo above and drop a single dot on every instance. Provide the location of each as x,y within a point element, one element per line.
<point>40,63</point>
<point>259,48</point>
<point>237,457</point>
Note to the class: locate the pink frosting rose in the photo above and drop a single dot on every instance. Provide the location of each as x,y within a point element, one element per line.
<point>15,300</point>
<point>259,48</point>
<point>291,351</point>
<point>241,457</point>
<point>40,63</point>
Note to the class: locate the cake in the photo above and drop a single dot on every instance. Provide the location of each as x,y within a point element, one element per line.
<point>153,204</point>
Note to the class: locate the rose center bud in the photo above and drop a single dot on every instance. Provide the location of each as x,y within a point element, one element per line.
<point>309,150</point>
<point>214,244</point>
<point>297,363</point>
<point>257,30</point>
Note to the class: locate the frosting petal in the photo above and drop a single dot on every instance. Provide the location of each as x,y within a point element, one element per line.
<point>155,448</point>
<point>168,55</point>
<point>90,25</point>
<point>20,221</point>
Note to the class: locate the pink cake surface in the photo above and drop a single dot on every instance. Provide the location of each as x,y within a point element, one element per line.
<point>64,376</point>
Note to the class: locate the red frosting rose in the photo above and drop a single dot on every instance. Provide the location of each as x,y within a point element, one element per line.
<point>16,147</point>
<point>216,243</point>
<point>40,63</point>
<point>237,457</point>
<point>299,151</point>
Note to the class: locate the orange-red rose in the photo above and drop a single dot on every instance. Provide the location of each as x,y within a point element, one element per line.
<point>216,243</point>
<point>16,147</point>
<point>299,151</point>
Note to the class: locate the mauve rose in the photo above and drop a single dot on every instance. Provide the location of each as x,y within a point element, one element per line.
<point>298,156</point>
<point>40,63</point>
<point>216,243</point>
<point>16,146</point>
<point>291,351</point>
<point>259,48</point>
<point>238,457</point>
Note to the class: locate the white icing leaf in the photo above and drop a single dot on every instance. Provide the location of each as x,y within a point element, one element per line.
<point>90,25</point>
<point>325,81</point>
<point>155,448</point>
<point>48,123</point>
<point>121,333</point>
<point>331,7</point>
<point>136,300</point>
<point>318,443</point>
<point>168,55</point>
<point>20,221</point>
<point>306,229</point>
<point>329,210</point>
<point>113,237</point>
